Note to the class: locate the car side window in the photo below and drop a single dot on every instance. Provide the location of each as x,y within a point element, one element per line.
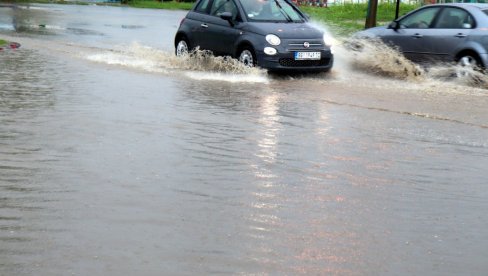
<point>221,6</point>
<point>419,20</point>
<point>202,6</point>
<point>452,18</point>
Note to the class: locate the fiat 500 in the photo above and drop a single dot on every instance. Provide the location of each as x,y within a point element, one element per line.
<point>272,34</point>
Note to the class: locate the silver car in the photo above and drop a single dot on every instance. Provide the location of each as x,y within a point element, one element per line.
<point>440,32</point>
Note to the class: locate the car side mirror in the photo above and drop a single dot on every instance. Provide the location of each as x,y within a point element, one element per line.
<point>394,25</point>
<point>467,26</point>
<point>227,16</point>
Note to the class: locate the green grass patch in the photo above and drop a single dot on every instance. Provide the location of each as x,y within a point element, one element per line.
<point>347,18</point>
<point>3,42</point>
<point>167,5</point>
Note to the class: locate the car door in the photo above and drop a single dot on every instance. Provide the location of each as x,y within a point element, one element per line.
<point>451,30</point>
<point>197,22</point>
<point>411,34</point>
<point>222,34</point>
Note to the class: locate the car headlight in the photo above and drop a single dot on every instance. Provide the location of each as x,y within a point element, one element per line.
<point>328,40</point>
<point>273,39</point>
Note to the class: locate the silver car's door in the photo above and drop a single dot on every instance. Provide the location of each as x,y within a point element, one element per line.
<point>452,28</point>
<point>411,34</point>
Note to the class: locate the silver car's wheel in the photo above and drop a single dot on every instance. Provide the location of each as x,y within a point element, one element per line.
<point>247,58</point>
<point>466,66</point>
<point>181,48</point>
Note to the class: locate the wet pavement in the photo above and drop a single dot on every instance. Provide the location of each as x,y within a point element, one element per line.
<point>116,158</point>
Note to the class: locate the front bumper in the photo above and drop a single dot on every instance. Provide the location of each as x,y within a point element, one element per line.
<point>285,61</point>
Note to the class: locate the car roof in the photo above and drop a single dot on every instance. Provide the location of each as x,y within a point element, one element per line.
<point>480,6</point>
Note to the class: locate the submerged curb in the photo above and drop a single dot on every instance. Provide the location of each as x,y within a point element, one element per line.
<point>9,45</point>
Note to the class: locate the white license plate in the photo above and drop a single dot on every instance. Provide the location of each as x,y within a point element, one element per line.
<point>307,55</point>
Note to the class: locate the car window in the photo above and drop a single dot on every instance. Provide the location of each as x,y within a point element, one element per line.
<point>452,18</point>
<point>419,20</point>
<point>202,6</point>
<point>221,6</point>
<point>271,11</point>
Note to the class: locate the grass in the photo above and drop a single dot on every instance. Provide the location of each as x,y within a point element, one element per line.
<point>167,5</point>
<point>2,42</point>
<point>349,18</point>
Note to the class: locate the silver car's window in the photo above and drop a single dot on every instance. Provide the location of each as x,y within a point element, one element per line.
<point>202,6</point>
<point>452,18</point>
<point>221,6</point>
<point>271,11</point>
<point>420,20</point>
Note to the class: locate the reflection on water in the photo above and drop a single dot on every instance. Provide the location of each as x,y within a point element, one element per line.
<point>26,19</point>
<point>24,93</point>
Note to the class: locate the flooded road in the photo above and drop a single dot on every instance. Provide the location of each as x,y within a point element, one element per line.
<point>118,159</point>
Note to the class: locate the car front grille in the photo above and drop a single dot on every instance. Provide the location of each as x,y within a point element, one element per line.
<point>289,62</point>
<point>297,45</point>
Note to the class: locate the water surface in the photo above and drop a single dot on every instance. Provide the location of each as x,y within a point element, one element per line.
<point>116,158</point>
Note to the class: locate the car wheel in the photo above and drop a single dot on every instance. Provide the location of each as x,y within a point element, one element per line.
<point>247,57</point>
<point>466,65</point>
<point>182,47</point>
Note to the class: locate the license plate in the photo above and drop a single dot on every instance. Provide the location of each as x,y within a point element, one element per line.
<point>307,55</point>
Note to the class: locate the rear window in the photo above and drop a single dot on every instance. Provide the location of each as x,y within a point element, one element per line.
<point>486,12</point>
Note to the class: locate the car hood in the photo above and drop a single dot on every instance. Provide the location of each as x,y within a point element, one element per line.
<point>371,32</point>
<point>284,30</point>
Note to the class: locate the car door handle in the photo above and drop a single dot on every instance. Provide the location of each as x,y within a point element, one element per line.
<point>204,25</point>
<point>417,35</point>
<point>461,35</point>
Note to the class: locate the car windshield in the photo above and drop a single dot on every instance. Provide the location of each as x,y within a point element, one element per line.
<point>271,11</point>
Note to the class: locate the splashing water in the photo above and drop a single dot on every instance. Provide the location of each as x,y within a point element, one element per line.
<point>201,64</point>
<point>372,55</point>
<point>330,39</point>
<point>459,75</point>
<point>375,57</point>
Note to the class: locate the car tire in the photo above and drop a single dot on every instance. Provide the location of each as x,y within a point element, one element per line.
<point>182,47</point>
<point>247,57</point>
<point>466,64</point>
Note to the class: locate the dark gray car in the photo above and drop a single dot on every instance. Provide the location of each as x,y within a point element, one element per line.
<point>272,34</point>
<point>440,32</point>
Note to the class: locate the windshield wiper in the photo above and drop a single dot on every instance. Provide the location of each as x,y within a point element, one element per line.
<point>288,18</point>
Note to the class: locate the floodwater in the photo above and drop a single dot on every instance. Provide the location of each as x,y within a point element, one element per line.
<point>116,158</point>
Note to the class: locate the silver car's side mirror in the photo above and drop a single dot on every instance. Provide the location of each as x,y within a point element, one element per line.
<point>467,26</point>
